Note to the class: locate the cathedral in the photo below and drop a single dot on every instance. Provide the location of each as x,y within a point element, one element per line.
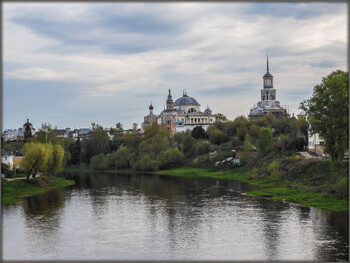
<point>268,103</point>
<point>180,115</point>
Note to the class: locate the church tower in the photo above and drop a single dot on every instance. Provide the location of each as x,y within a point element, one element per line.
<point>268,93</point>
<point>169,102</point>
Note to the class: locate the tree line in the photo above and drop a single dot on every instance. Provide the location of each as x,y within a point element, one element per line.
<point>155,149</point>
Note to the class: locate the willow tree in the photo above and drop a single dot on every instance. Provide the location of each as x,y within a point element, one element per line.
<point>329,112</point>
<point>35,158</point>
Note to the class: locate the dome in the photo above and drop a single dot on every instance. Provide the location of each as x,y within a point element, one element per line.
<point>267,75</point>
<point>208,111</point>
<point>151,107</point>
<point>186,100</point>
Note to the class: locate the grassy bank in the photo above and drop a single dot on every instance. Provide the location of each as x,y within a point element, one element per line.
<point>13,191</point>
<point>275,185</point>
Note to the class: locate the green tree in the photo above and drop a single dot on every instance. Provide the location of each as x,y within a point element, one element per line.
<point>221,117</point>
<point>99,162</point>
<point>247,146</point>
<point>35,158</point>
<point>329,112</point>
<point>55,158</point>
<point>265,139</point>
<point>217,136</point>
<point>199,133</point>
<point>47,134</point>
<point>119,127</point>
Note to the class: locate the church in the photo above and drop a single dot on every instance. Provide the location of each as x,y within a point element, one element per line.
<point>268,103</point>
<point>183,114</point>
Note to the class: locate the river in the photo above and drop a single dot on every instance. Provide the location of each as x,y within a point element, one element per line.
<point>154,217</point>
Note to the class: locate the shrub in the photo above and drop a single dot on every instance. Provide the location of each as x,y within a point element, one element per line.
<point>99,162</point>
<point>217,137</point>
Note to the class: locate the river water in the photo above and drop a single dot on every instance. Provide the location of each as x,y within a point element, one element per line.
<point>151,217</point>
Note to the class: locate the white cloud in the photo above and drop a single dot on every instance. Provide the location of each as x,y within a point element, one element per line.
<point>217,45</point>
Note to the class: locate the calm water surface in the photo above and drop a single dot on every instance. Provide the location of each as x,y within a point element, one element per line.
<point>150,217</point>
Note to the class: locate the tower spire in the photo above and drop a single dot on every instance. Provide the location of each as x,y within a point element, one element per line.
<point>267,62</point>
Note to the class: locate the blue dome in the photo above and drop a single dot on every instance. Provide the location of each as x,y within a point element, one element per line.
<point>186,100</point>
<point>208,111</point>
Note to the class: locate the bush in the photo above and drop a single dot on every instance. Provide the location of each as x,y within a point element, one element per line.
<point>273,170</point>
<point>199,133</point>
<point>99,162</point>
<point>341,187</point>
<point>217,137</point>
<point>201,148</point>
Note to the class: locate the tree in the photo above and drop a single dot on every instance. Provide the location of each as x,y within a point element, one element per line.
<point>35,158</point>
<point>217,136</point>
<point>329,112</point>
<point>247,147</point>
<point>221,117</point>
<point>55,158</point>
<point>265,139</point>
<point>47,134</point>
<point>199,133</point>
<point>119,127</point>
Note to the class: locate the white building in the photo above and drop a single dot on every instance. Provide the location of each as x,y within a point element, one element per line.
<point>181,115</point>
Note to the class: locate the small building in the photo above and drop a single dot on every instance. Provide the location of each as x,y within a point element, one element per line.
<point>12,159</point>
<point>9,135</point>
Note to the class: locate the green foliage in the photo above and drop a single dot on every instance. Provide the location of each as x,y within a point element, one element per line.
<point>247,147</point>
<point>153,129</point>
<point>96,143</point>
<point>99,162</point>
<point>217,136</point>
<point>55,158</point>
<point>199,133</point>
<point>13,191</point>
<point>35,158</point>
<point>201,147</point>
<point>188,143</point>
<point>265,139</point>
<point>329,112</point>
<point>273,170</point>
<point>221,117</point>
<point>47,134</point>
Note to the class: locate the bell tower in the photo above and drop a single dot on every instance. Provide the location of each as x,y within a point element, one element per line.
<point>170,102</point>
<point>268,93</point>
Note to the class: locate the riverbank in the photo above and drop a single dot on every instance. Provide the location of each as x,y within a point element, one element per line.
<point>14,191</point>
<point>273,185</point>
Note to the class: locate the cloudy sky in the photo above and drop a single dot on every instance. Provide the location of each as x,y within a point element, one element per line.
<point>71,64</point>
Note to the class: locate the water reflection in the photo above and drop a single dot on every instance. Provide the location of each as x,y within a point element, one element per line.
<point>151,217</point>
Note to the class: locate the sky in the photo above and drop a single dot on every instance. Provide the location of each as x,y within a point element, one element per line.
<point>71,64</point>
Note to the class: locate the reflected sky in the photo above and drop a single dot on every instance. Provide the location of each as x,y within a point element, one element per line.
<point>151,217</point>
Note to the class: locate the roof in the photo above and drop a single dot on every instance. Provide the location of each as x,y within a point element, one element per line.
<point>208,111</point>
<point>302,113</point>
<point>186,100</point>
<point>267,75</point>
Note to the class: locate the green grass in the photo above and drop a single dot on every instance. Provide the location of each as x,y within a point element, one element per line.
<point>289,191</point>
<point>304,197</point>
<point>13,191</point>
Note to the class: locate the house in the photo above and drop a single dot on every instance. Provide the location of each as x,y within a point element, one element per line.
<point>60,133</point>
<point>315,142</point>
<point>12,159</point>
<point>9,135</point>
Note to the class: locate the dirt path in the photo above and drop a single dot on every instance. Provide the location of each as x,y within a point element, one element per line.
<point>20,178</point>
<point>309,156</point>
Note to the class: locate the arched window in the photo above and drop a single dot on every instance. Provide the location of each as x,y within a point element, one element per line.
<point>191,110</point>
